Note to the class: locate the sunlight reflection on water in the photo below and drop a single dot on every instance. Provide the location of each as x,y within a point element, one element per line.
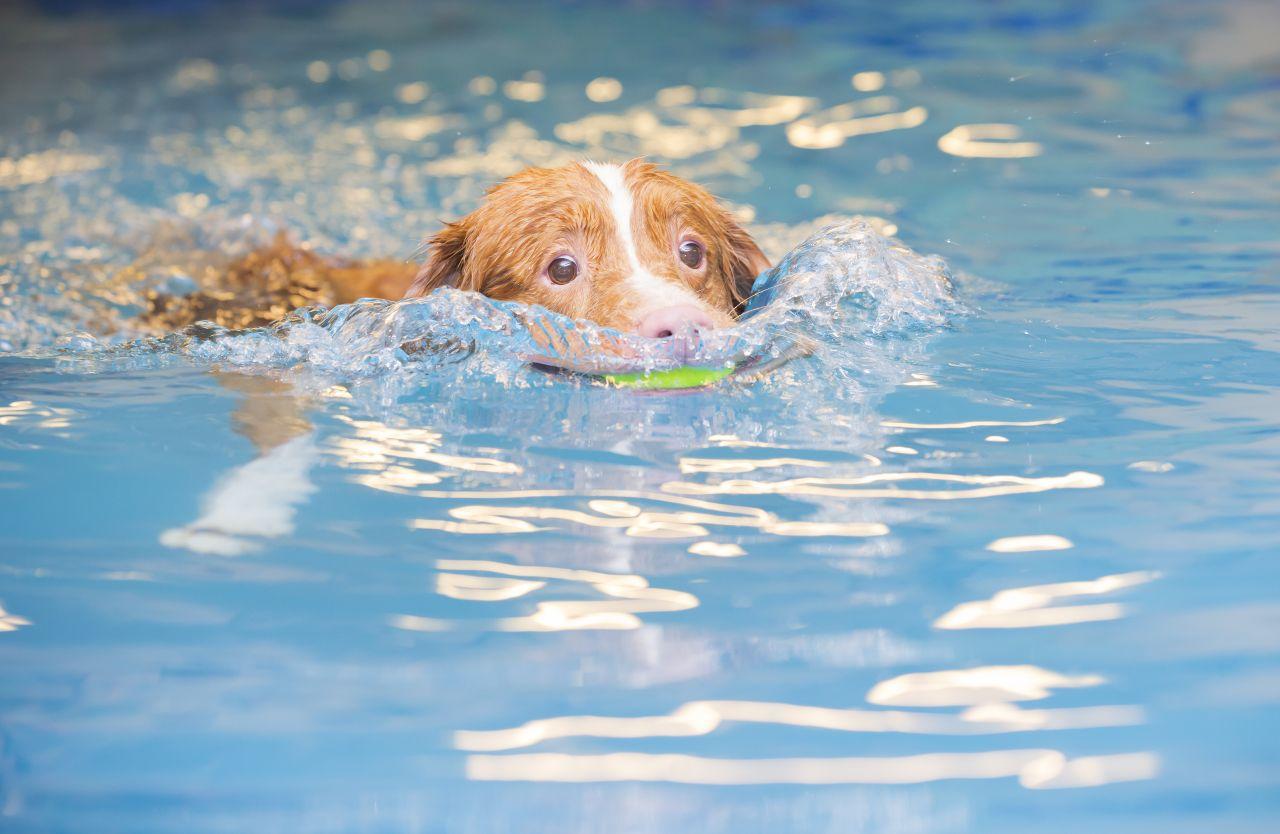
<point>336,586</point>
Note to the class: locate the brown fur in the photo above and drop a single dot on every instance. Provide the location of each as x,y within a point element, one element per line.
<point>502,250</point>
<point>503,247</point>
<point>266,284</point>
<point>669,206</point>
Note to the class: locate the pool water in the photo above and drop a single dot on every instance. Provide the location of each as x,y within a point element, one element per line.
<point>995,562</point>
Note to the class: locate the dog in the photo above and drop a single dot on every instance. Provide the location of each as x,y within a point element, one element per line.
<point>630,247</point>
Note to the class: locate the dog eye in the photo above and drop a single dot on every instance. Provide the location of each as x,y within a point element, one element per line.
<point>691,254</point>
<point>562,270</point>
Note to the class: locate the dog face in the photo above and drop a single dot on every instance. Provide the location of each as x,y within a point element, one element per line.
<point>630,247</point>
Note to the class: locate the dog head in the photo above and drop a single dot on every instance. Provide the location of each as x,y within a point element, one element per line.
<point>630,247</point>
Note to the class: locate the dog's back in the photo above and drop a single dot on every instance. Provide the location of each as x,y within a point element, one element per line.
<point>270,281</point>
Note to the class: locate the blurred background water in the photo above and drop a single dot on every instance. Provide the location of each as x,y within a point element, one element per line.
<point>1007,570</point>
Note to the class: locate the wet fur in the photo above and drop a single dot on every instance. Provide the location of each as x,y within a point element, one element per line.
<point>501,250</point>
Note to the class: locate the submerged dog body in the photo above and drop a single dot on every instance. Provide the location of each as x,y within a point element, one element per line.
<point>630,247</point>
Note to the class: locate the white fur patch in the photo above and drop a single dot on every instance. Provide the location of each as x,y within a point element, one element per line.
<point>655,291</point>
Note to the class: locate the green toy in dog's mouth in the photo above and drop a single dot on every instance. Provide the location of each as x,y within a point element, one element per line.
<point>693,376</point>
<point>668,380</point>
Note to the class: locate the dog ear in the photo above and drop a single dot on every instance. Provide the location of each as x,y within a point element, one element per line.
<point>445,263</point>
<point>746,261</point>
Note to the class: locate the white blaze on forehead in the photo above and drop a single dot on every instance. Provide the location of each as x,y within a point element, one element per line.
<point>658,292</point>
<point>620,206</point>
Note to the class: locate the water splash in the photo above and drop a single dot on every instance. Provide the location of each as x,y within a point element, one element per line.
<point>840,287</point>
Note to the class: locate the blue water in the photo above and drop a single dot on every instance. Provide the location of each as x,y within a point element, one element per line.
<point>996,562</point>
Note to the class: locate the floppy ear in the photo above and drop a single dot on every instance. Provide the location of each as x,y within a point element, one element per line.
<point>746,261</point>
<point>444,266</point>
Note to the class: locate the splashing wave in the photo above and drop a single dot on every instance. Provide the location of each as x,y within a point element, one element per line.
<point>847,282</point>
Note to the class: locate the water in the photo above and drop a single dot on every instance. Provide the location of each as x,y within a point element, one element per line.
<point>990,564</point>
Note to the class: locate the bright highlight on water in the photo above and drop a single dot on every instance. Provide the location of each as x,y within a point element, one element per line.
<point>967,527</point>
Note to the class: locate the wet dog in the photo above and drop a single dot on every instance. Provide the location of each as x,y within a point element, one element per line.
<point>632,247</point>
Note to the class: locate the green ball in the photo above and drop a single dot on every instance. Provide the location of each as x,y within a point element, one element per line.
<point>668,380</point>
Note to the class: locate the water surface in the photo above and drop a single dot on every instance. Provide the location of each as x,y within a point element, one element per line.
<point>990,568</point>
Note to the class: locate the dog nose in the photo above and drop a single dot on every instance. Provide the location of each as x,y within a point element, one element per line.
<point>668,321</point>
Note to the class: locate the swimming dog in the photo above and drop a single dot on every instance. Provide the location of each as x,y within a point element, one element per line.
<point>631,247</point>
